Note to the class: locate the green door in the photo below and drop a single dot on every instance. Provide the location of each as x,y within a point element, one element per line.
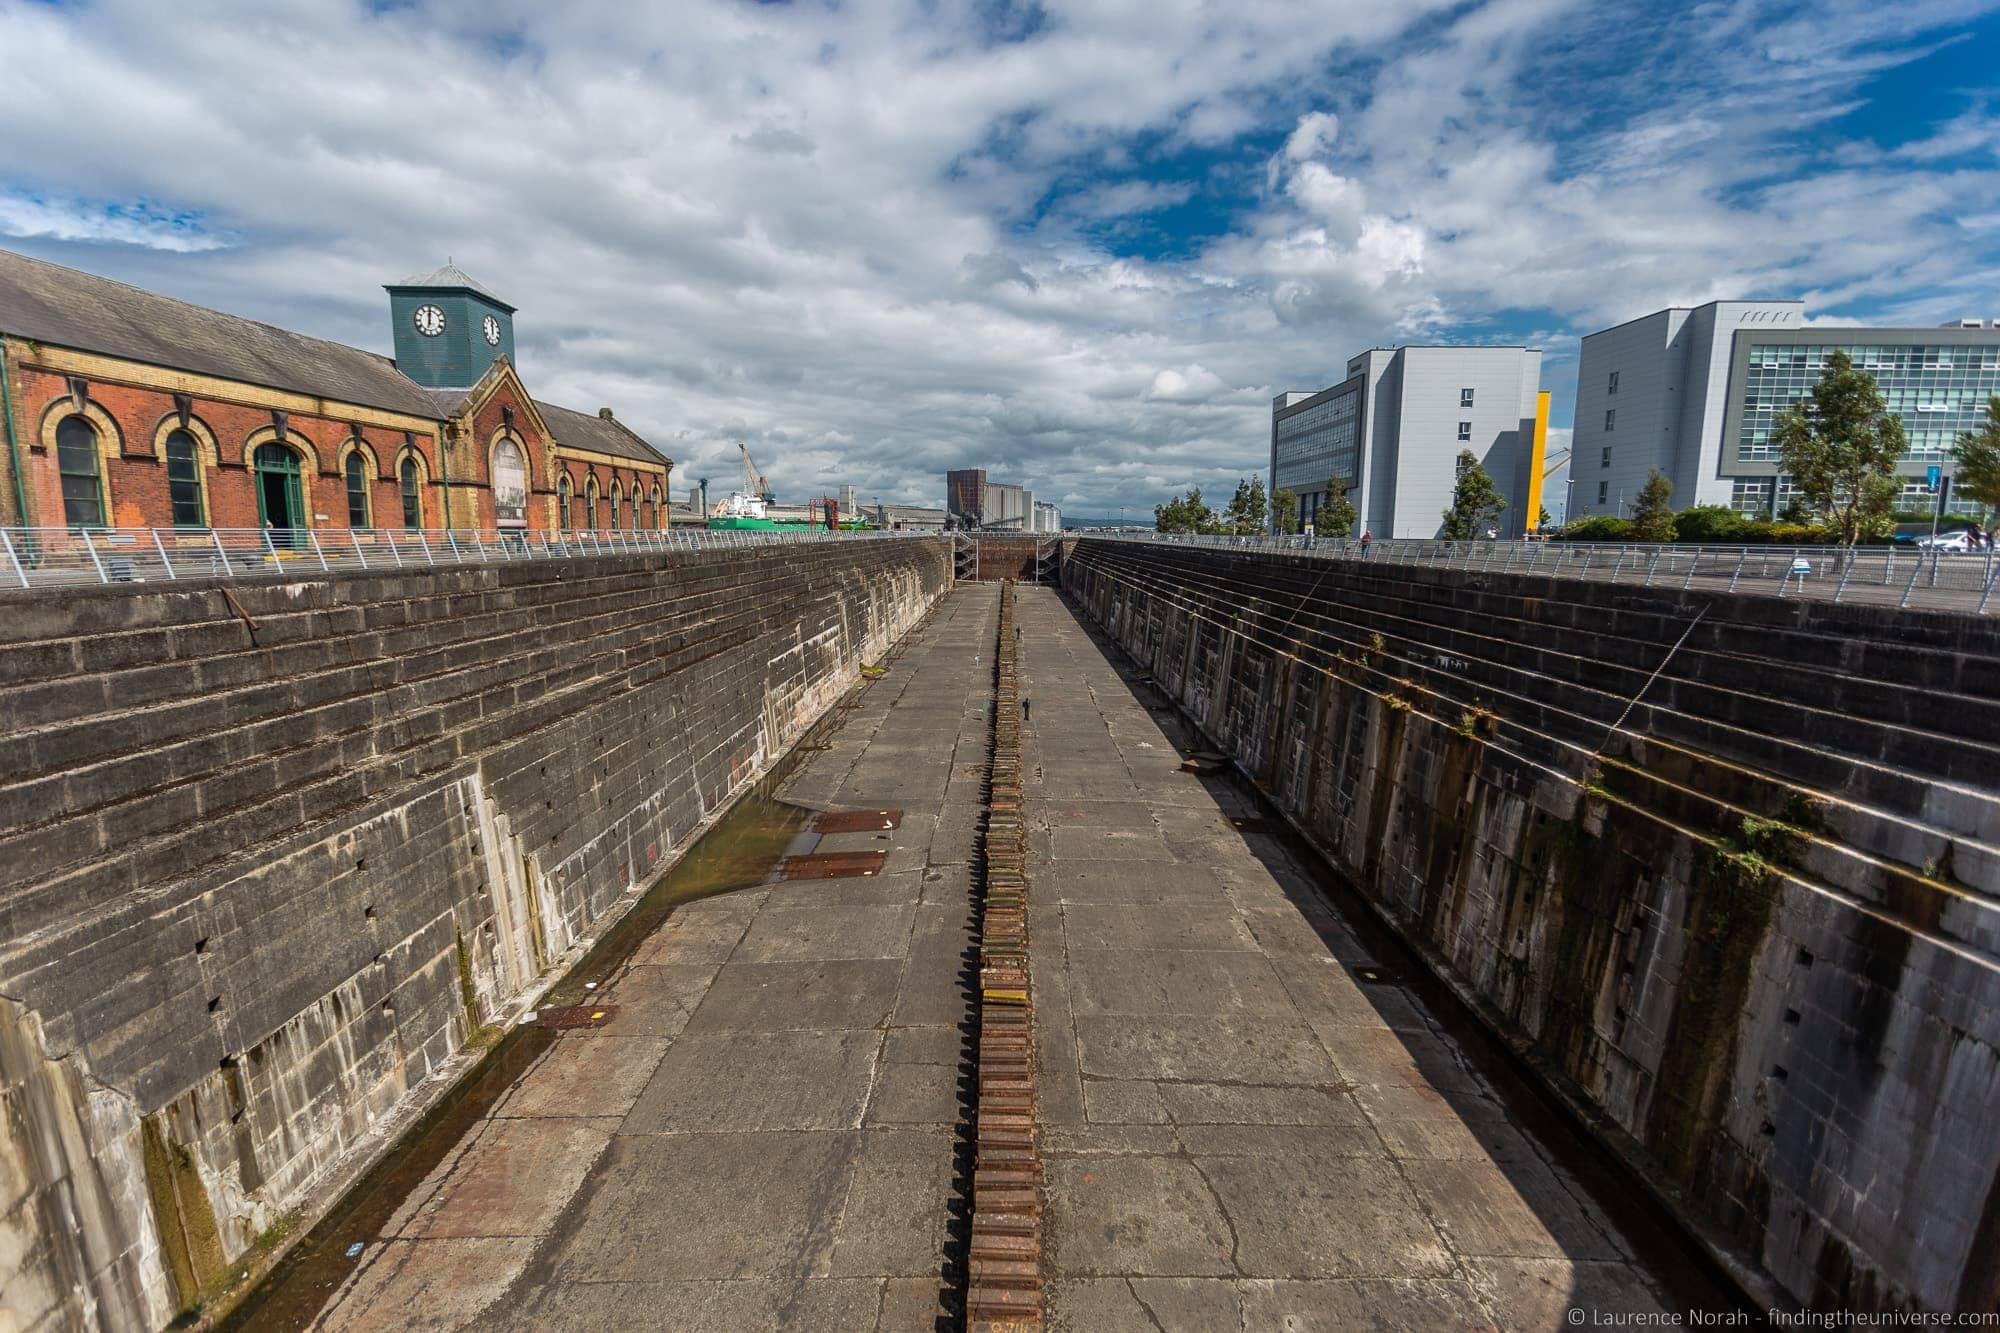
<point>280,497</point>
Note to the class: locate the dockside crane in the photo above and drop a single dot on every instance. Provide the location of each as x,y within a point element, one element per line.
<point>753,480</point>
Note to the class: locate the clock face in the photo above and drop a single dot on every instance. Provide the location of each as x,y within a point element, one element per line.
<point>429,320</point>
<point>491,328</point>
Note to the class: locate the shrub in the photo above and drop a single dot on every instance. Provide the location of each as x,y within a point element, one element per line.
<point>1781,533</point>
<point>1597,528</point>
<point>1708,523</point>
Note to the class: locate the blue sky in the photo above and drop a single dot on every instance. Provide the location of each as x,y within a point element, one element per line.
<point>1080,244</point>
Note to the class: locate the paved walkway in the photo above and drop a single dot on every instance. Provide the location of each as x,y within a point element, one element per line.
<point>765,1133</point>
<point>1237,1133</point>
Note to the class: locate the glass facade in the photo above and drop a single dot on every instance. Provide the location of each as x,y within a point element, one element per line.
<point>1937,391</point>
<point>1319,442</point>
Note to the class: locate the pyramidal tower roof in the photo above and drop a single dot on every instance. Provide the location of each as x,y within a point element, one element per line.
<point>449,275</point>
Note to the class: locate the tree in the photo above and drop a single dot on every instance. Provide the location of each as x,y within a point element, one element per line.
<point>1841,449</point>
<point>1246,514</point>
<point>1475,500</point>
<point>1336,517</point>
<point>1976,456</point>
<point>1188,513</point>
<point>1652,516</point>
<point>1541,518</point>
<point>1284,512</point>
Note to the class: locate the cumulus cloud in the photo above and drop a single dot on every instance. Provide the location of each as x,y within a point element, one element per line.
<point>876,241</point>
<point>1193,384</point>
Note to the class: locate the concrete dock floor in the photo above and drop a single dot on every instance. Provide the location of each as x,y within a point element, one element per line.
<point>1237,1131</point>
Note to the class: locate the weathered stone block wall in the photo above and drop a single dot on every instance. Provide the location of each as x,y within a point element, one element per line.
<point>257,885</point>
<point>1750,933</point>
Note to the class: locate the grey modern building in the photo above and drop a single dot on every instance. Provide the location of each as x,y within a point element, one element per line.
<point>1695,392</point>
<point>1390,435</point>
<point>975,502</point>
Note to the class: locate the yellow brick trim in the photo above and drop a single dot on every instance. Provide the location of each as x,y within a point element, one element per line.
<point>141,375</point>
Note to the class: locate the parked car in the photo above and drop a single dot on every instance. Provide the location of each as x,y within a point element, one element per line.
<point>1919,534</point>
<point>1959,540</point>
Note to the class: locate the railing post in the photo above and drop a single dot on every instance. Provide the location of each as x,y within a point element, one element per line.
<point>221,552</point>
<point>91,546</point>
<point>1991,579</point>
<point>354,540</point>
<point>1694,563</point>
<point>1846,573</point>
<point>1915,573</point>
<point>430,557</point>
<point>1737,573</point>
<point>1650,568</point>
<point>313,537</point>
<point>452,541</point>
<point>14,558</point>
<point>161,547</point>
<point>1615,569</point>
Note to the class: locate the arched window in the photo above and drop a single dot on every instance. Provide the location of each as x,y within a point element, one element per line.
<point>82,484</point>
<point>413,496</point>
<point>617,505</point>
<point>184,479</point>
<point>590,503</point>
<point>659,514</point>
<point>563,492</point>
<point>510,485</point>
<point>357,489</point>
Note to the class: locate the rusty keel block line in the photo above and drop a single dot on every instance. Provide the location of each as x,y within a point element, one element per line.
<point>1004,1286</point>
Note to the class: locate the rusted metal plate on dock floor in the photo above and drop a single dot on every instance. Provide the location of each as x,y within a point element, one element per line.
<point>856,821</point>
<point>577,1016</point>
<point>832,865</point>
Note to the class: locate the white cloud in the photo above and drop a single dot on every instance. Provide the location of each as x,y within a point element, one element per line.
<point>31,217</point>
<point>1194,384</point>
<point>868,239</point>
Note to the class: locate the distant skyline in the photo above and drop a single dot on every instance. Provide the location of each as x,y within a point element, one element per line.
<point>1081,246</point>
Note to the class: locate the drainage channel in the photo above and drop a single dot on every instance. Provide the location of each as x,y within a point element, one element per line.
<point>1004,1287</point>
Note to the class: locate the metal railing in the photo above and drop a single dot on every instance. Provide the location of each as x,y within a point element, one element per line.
<point>63,557</point>
<point>1903,576</point>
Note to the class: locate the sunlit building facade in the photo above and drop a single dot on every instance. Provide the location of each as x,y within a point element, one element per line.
<point>1390,434</point>
<point>1697,393</point>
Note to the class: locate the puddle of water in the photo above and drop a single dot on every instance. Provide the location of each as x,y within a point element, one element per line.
<point>740,851</point>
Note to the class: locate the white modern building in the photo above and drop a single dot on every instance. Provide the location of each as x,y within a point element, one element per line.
<point>1390,435</point>
<point>1695,392</point>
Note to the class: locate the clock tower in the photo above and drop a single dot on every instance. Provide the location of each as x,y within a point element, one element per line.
<point>448,328</point>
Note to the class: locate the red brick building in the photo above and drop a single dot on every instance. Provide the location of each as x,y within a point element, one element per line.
<point>125,408</point>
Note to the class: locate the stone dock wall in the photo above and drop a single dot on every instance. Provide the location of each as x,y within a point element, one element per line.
<point>1749,934</point>
<point>259,884</point>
